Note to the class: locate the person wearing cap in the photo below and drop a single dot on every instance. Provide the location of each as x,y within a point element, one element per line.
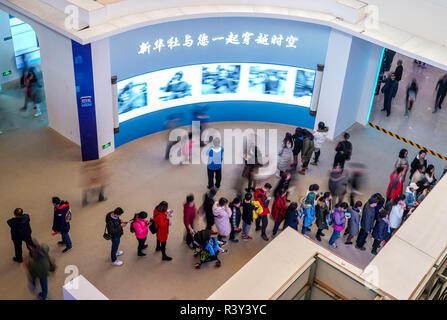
<point>366,222</point>
<point>396,214</point>
<point>410,195</point>
<point>319,138</point>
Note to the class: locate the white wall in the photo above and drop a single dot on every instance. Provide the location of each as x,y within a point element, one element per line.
<point>60,89</point>
<point>348,82</point>
<point>7,54</point>
<point>358,84</point>
<point>337,58</point>
<point>424,18</point>
<point>103,95</point>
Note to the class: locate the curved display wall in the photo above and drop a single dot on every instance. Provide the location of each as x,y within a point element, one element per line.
<point>241,69</point>
<point>214,82</point>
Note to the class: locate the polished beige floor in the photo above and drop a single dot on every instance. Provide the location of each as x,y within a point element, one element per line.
<point>38,163</point>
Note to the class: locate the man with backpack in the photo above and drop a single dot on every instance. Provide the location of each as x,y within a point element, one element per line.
<point>61,221</point>
<point>344,151</point>
<point>114,227</point>
<point>366,222</point>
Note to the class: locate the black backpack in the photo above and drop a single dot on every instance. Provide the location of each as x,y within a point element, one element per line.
<point>152,227</point>
<point>132,229</point>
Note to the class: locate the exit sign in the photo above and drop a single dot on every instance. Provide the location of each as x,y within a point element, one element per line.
<point>106,145</point>
<point>7,73</point>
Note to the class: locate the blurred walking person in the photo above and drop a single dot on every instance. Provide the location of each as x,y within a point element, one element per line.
<point>94,180</point>
<point>412,92</point>
<point>39,265</point>
<point>20,232</point>
<point>441,92</point>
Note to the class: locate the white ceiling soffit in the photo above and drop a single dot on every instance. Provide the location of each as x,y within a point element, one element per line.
<point>424,39</point>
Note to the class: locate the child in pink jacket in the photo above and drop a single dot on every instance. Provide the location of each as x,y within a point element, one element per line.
<point>140,226</point>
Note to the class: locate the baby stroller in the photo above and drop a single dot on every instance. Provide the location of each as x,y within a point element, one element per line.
<point>207,248</point>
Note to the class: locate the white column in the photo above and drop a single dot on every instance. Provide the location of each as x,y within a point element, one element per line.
<point>337,58</point>
<point>103,95</point>
<point>59,82</point>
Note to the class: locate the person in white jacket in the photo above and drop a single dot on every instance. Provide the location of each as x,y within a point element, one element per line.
<point>396,214</point>
<point>319,138</point>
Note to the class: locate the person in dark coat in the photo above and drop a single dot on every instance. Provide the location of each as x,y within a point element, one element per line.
<point>389,90</point>
<point>20,231</point>
<point>321,212</point>
<point>235,219</point>
<point>207,206</point>
<point>419,159</point>
<point>61,221</point>
<point>354,221</point>
<point>114,227</point>
<point>388,58</point>
<point>380,230</point>
<point>291,219</point>
<point>441,92</point>
<point>399,70</point>
<point>344,151</point>
<point>366,222</point>
<point>297,138</point>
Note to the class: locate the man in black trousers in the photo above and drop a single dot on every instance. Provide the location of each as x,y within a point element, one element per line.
<point>20,231</point>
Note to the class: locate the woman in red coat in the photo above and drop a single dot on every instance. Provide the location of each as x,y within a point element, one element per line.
<point>279,209</point>
<point>161,221</point>
<point>395,187</point>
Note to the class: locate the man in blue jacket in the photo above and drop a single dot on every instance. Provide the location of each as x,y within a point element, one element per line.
<point>215,158</point>
<point>61,221</point>
<point>20,231</point>
<point>367,222</point>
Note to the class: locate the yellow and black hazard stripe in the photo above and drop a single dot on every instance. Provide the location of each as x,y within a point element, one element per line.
<point>440,156</point>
